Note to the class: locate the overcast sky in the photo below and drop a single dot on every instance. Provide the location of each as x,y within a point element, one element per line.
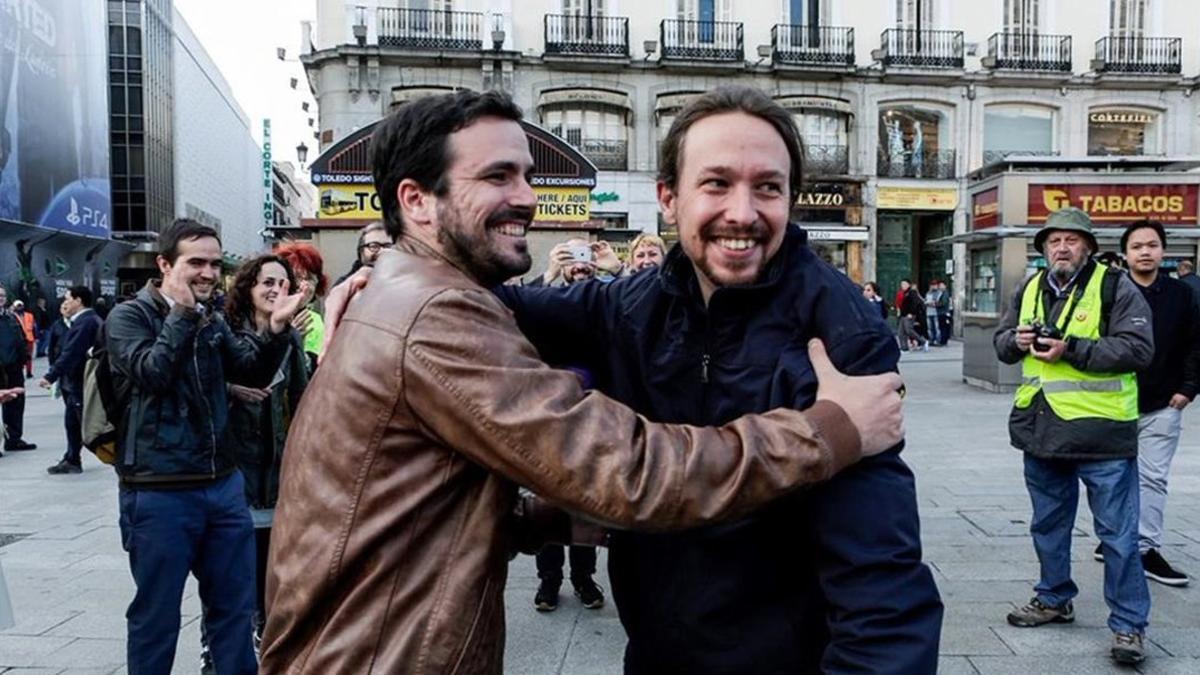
<point>241,37</point>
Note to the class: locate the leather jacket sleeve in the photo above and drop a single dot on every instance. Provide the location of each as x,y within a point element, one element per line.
<point>151,360</point>
<point>487,394</point>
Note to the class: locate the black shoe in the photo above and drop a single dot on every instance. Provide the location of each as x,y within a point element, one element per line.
<point>64,467</point>
<point>589,593</point>
<point>1098,554</point>
<point>546,599</point>
<point>17,446</point>
<point>1161,571</point>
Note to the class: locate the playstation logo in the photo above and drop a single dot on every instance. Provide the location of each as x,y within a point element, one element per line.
<point>73,217</point>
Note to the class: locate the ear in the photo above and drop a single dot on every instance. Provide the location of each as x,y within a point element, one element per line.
<point>666,202</point>
<point>417,206</point>
<point>164,267</point>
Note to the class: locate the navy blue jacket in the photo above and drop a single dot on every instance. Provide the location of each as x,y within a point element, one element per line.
<point>829,580</point>
<point>68,365</point>
<point>13,349</point>
<point>175,361</point>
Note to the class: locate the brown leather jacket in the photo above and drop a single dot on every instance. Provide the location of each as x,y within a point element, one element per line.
<point>392,533</point>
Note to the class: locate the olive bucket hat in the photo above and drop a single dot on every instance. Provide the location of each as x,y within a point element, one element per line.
<point>1068,219</point>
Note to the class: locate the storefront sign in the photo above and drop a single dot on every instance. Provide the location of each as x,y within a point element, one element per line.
<point>836,234</point>
<point>563,205</point>
<point>349,202</point>
<point>268,196</point>
<point>829,196</point>
<point>1168,204</point>
<point>924,199</point>
<point>605,197</point>
<point>1121,117</point>
<point>815,103</point>
<point>584,96</point>
<point>985,209</point>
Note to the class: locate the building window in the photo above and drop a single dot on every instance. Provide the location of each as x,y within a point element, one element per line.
<point>704,10</point>
<point>825,136</point>
<point>1123,131</point>
<point>911,143</point>
<point>598,131</point>
<point>806,12</point>
<point>982,280</point>
<point>1017,129</point>
<point>914,14</point>
<point>1022,16</point>
<point>1127,18</point>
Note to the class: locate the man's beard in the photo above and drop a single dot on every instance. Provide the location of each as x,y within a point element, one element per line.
<point>1065,269</point>
<point>473,249</point>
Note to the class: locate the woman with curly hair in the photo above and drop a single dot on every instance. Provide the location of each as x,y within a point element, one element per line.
<point>307,265</point>
<point>261,412</point>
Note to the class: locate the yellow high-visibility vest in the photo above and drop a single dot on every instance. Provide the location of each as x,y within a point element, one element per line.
<point>1074,394</point>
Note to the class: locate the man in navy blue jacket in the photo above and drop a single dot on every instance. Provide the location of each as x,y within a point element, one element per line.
<point>829,581</point>
<point>67,370</point>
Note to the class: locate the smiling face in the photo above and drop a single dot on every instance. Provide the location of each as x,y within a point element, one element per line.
<point>731,200</point>
<point>1144,251</point>
<point>197,264</point>
<point>482,219</point>
<point>268,288</point>
<point>646,255</point>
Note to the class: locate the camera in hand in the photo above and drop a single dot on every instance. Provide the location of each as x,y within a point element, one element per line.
<point>1041,330</point>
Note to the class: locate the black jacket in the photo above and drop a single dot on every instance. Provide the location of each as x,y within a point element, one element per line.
<point>175,360</point>
<point>828,580</point>
<point>13,349</point>
<point>68,364</point>
<point>1192,281</point>
<point>1176,365</point>
<point>257,432</point>
<point>58,335</point>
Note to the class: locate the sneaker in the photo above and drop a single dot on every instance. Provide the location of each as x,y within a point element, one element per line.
<point>1127,648</point>
<point>546,599</point>
<point>20,445</point>
<point>64,467</point>
<point>1098,554</point>
<point>1037,613</point>
<point>1161,571</point>
<point>589,593</point>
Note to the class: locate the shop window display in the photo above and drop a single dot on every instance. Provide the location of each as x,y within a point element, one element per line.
<point>1123,132</point>
<point>983,281</point>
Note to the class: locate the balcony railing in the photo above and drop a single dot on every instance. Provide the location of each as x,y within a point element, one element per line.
<point>430,29</point>
<point>922,48</point>
<point>935,164</point>
<point>606,155</point>
<point>812,45</point>
<point>993,156</point>
<point>1029,52</point>
<point>701,40</point>
<point>1149,56</point>
<point>826,160</point>
<point>582,35</point>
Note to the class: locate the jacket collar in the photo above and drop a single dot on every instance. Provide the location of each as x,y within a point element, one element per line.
<point>678,275</point>
<point>406,243</point>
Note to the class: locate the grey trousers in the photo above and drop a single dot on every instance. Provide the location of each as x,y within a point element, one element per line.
<point>1158,437</point>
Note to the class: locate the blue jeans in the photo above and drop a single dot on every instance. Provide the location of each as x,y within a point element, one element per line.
<point>206,531</point>
<point>1112,490</point>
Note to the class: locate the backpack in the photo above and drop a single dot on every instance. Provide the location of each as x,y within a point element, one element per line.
<point>106,394</point>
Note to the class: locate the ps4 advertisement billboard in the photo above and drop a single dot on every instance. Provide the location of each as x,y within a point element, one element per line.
<point>54,160</point>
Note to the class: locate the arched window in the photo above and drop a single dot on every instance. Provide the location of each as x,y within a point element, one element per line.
<point>1017,129</point>
<point>1124,131</point>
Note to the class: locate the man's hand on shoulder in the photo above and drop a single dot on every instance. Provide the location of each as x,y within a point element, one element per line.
<point>872,402</point>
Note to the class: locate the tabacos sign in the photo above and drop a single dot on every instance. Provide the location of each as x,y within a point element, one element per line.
<point>1114,204</point>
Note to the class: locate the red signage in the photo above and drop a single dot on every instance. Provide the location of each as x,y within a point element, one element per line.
<point>1111,205</point>
<point>985,209</point>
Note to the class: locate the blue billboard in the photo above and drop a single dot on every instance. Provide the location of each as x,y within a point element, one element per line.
<point>54,162</point>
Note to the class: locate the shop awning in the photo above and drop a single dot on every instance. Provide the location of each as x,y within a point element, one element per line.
<point>1005,231</point>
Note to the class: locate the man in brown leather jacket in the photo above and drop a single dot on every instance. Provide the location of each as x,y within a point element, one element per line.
<point>399,480</point>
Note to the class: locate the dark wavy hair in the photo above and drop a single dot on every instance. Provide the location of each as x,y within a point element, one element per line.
<point>239,305</point>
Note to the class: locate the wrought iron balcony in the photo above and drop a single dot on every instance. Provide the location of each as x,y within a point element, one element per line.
<point>1029,52</point>
<point>994,156</point>
<point>582,35</point>
<point>701,40</point>
<point>921,48</point>
<point>430,29</point>
<point>812,45</point>
<point>826,160</point>
<point>606,155</point>
<point>1139,55</point>
<point>935,164</point>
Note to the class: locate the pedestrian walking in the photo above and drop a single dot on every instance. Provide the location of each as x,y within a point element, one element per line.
<point>1081,331</point>
<point>67,371</point>
<point>912,317</point>
<point>1187,274</point>
<point>932,299</point>
<point>44,319</point>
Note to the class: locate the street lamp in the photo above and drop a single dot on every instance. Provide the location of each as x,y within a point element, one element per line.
<point>302,153</point>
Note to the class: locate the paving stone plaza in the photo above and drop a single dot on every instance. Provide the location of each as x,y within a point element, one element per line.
<point>70,582</point>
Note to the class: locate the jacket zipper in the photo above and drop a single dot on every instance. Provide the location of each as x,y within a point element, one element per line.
<point>704,368</point>
<point>212,431</point>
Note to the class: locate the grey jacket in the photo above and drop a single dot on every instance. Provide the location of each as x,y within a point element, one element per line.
<point>1126,346</point>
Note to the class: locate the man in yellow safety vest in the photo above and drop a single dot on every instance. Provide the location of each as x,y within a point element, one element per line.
<point>1080,330</point>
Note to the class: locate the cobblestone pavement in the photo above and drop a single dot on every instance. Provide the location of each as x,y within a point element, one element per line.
<point>70,584</point>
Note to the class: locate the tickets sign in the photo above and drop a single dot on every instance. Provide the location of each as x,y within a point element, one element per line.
<point>563,204</point>
<point>1114,204</point>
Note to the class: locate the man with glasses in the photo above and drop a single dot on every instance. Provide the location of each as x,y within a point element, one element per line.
<point>371,241</point>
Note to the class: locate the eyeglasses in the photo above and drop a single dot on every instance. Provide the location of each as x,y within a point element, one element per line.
<point>373,247</point>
